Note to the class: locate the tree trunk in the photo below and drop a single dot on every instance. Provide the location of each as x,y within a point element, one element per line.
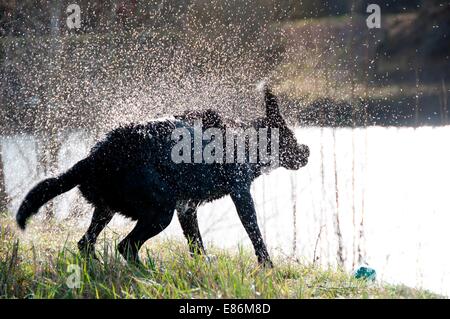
<point>49,145</point>
<point>48,139</point>
<point>3,195</point>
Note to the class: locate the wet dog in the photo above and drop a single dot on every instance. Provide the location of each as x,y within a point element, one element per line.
<point>131,172</point>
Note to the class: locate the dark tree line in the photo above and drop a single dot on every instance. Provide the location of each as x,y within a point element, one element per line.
<point>3,195</point>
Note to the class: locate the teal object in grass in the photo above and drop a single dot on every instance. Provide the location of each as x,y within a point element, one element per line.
<point>366,273</point>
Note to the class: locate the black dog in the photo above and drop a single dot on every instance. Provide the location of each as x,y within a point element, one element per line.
<point>131,172</point>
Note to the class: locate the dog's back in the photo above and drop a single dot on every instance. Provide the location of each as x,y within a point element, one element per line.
<point>139,156</point>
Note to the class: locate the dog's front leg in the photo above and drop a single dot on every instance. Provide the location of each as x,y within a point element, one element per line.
<point>187,216</point>
<point>246,210</point>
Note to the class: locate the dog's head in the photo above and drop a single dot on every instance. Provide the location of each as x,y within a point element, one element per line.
<point>292,154</point>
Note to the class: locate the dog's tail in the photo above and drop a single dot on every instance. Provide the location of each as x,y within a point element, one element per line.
<point>48,189</point>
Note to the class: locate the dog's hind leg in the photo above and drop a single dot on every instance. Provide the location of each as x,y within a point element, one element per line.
<point>187,216</point>
<point>100,219</point>
<point>145,229</point>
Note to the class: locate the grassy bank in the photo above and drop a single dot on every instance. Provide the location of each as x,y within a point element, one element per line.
<point>43,263</point>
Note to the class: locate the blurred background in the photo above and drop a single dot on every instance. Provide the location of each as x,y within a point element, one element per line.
<point>372,104</point>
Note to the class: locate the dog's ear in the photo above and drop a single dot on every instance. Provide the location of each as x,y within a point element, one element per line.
<point>272,110</point>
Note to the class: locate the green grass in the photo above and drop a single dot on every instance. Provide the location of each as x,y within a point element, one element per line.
<point>36,265</point>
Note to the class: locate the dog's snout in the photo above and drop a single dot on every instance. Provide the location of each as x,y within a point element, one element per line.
<point>305,150</point>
